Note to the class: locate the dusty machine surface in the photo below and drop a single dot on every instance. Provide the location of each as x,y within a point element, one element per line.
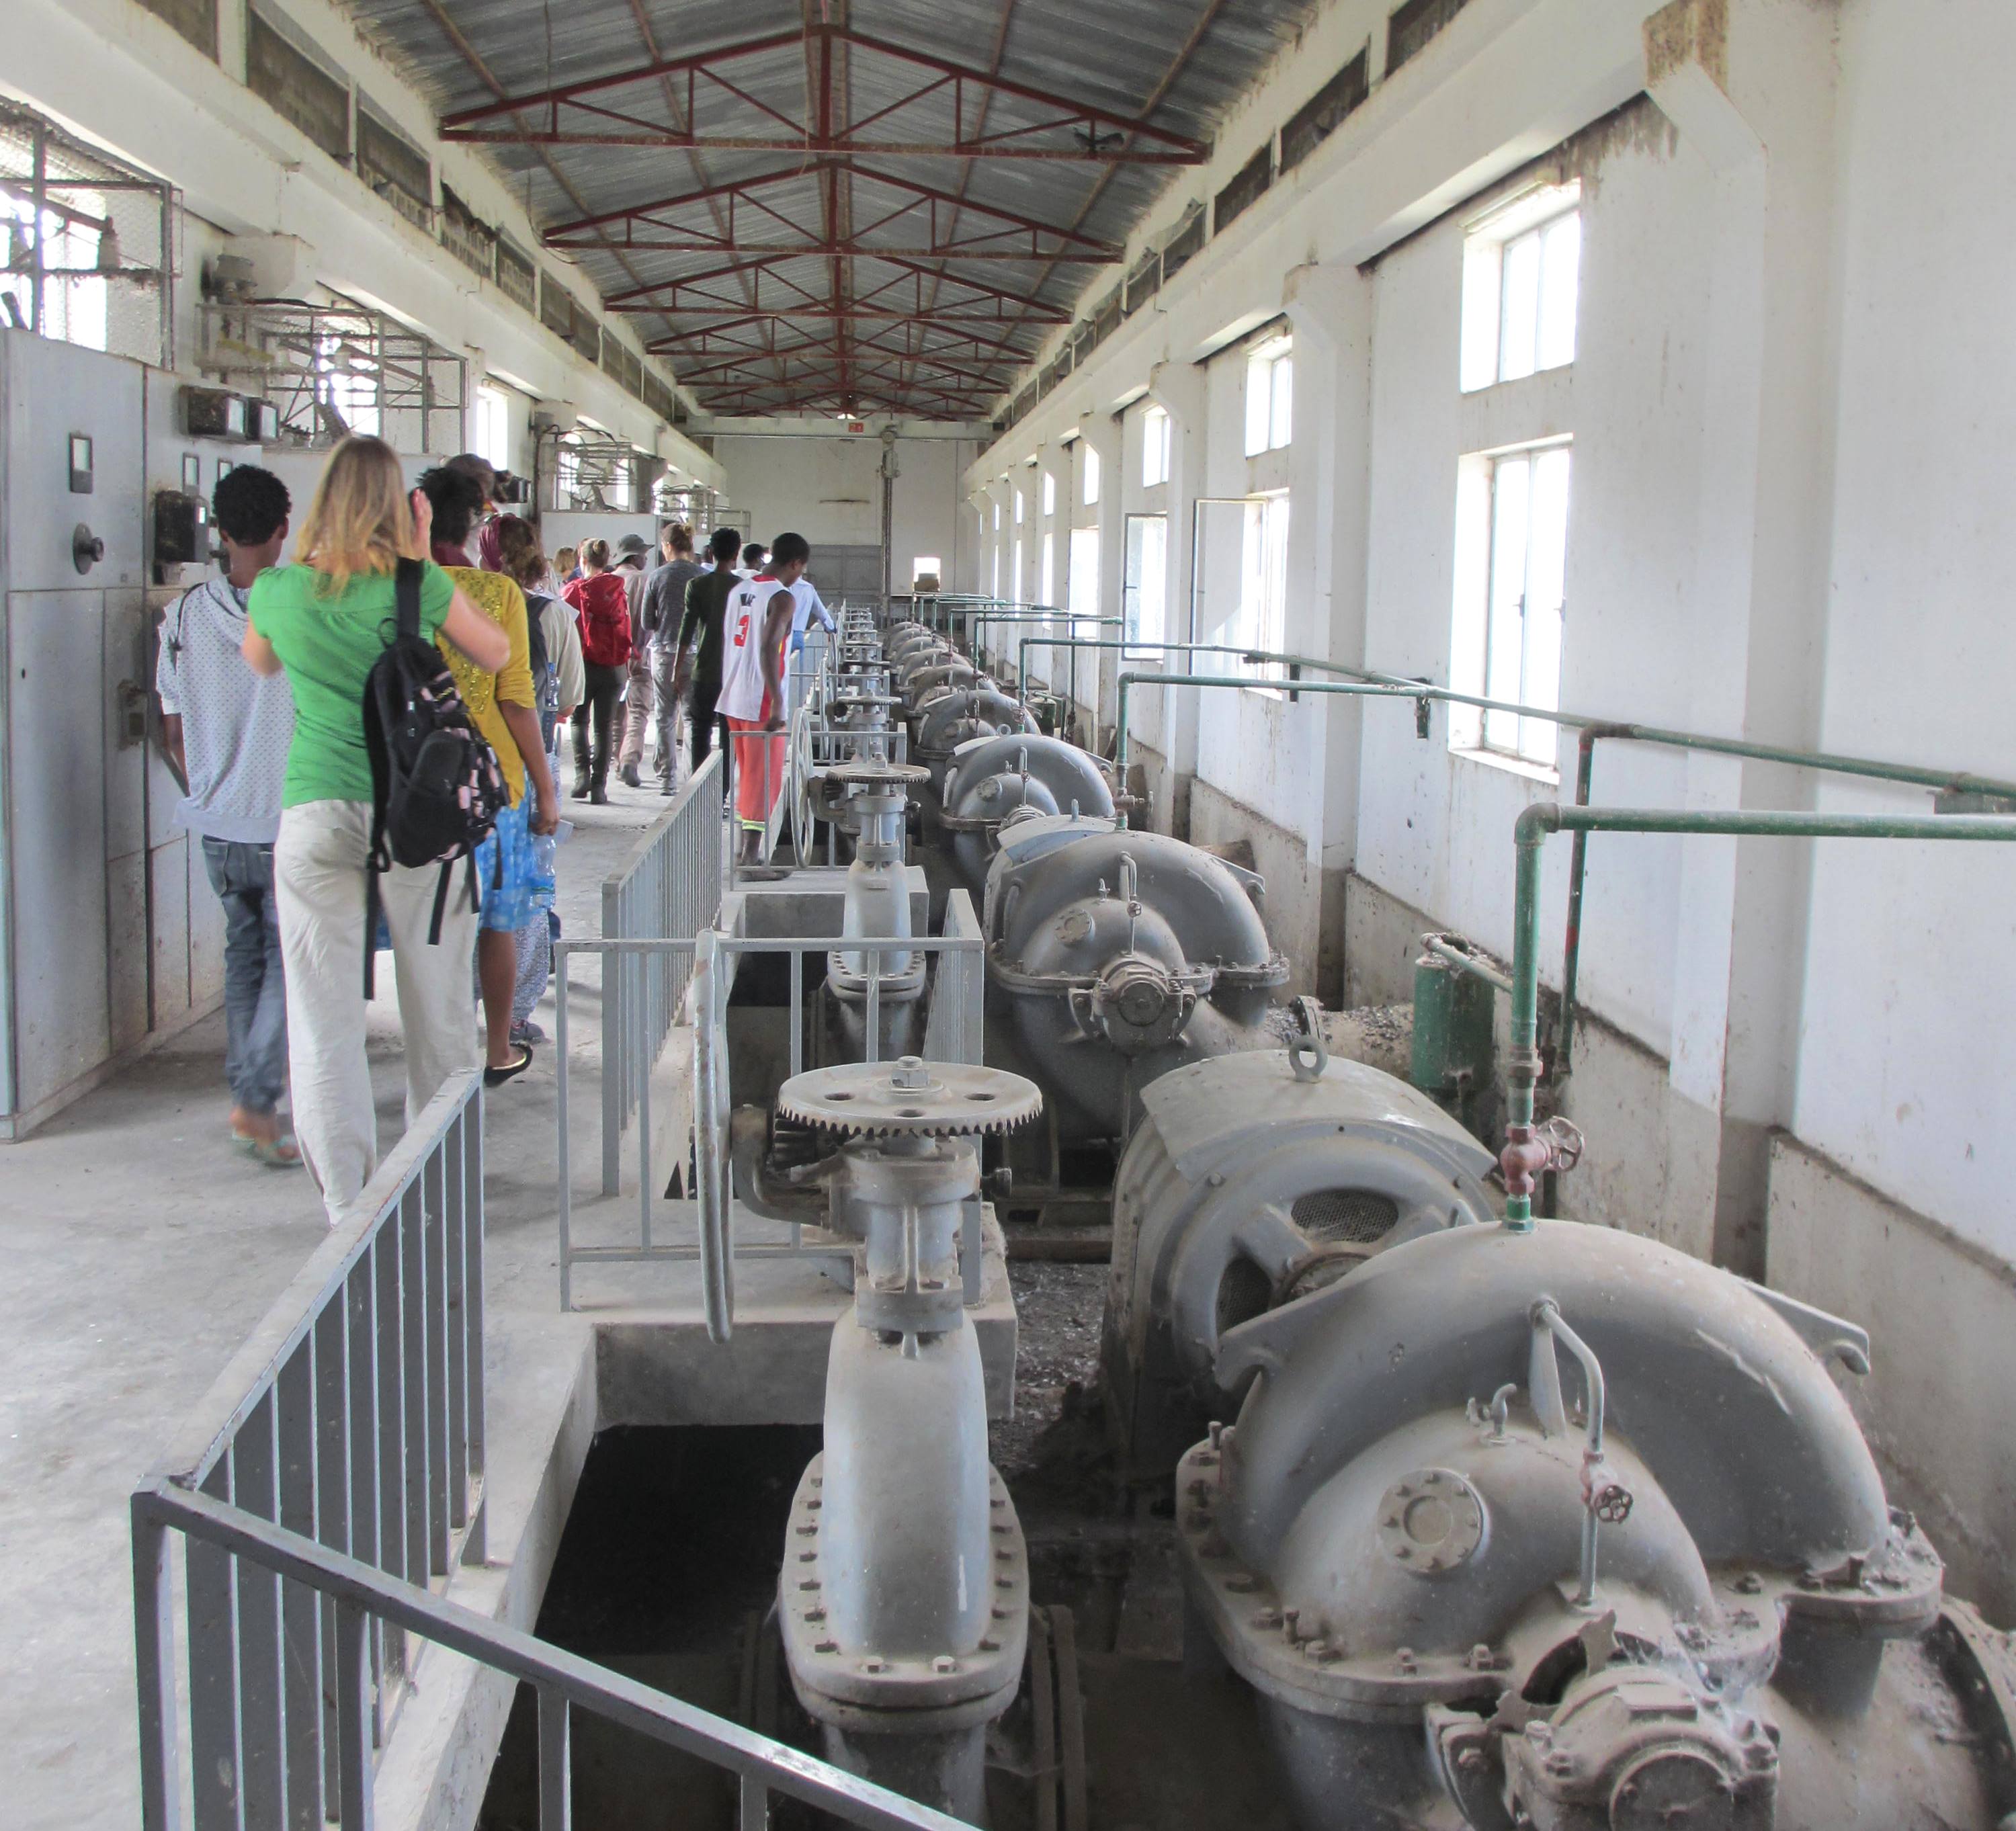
<point>1115,956</point>
<point>1355,1505</point>
<point>1254,1180</point>
<point>868,797</point>
<point>991,784</point>
<point>1566,1529</point>
<point>904,1597</point>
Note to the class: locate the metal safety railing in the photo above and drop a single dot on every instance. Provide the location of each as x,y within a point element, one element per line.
<point>668,888</point>
<point>954,1026</point>
<point>365,1602</point>
<point>324,1491</point>
<point>351,1422</point>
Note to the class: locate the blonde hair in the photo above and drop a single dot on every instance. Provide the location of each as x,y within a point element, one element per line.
<point>360,520</point>
<point>595,555</point>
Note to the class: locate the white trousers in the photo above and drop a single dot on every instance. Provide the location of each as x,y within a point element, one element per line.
<point>319,874</point>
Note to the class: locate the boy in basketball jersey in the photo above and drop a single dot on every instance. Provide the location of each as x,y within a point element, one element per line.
<point>754,629</point>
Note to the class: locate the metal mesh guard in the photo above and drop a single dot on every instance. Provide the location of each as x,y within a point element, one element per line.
<point>1345,1217</point>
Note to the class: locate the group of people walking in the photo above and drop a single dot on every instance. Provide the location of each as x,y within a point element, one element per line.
<point>264,676</point>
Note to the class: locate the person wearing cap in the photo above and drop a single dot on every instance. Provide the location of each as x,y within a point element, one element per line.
<point>631,554</point>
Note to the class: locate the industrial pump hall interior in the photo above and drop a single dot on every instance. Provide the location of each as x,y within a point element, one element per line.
<point>1315,1130</point>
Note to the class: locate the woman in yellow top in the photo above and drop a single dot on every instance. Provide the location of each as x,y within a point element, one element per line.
<point>325,620</point>
<point>505,709</point>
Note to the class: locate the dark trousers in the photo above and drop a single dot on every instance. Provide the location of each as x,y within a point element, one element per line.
<point>699,719</point>
<point>255,992</point>
<point>604,689</point>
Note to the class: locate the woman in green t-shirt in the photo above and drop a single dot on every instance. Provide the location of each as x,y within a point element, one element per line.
<point>325,619</point>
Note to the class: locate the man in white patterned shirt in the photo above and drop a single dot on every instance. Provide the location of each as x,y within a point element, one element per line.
<point>226,731</point>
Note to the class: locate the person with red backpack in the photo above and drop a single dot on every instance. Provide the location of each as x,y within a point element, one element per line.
<point>361,605</point>
<point>601,602</point>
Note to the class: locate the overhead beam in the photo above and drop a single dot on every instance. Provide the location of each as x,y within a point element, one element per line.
<point>1205,20</point>
<point>711,340</point>
<point>1100,135</point>
<point>1073,245</point>
<point>670,141</point>
<point>662,296</point>
<point>632,243</point>
<point>726,308</point>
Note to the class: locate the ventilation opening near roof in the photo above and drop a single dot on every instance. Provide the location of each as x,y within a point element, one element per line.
<point>1325,112</point>
<point>1411,26</point>
<point>1245,190</point>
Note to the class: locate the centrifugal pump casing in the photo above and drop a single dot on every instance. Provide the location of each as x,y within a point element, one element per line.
<point>1012,777</point>
<point>1117,956</point>
<point>1252,1182</point>
<point>1461,1602</point>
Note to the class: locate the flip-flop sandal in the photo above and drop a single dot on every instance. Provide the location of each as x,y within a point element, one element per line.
<point>279,1154</point>
<point>496,1077</point>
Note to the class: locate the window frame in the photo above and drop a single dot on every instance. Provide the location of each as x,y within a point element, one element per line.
<point>1529,745</point>
<point>1536,219</point>
<point>1270,394</point>
<point>1131,631</point>
<point>1157,446</point>
<point>1261,620</point>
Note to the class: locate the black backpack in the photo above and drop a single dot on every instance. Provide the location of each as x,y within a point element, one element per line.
<point>436,787</point>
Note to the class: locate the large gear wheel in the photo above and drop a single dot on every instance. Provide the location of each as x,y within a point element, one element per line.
<point>872,772</point>
<point>910,1096</point>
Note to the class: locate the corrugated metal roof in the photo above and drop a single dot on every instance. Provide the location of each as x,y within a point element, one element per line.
<point>1192,58</point>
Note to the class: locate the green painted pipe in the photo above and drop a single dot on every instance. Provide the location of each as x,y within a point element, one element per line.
<point>1073,643</point>
<point>1529,834</point>
<point>1359,690</point>
<point>1475,965</point>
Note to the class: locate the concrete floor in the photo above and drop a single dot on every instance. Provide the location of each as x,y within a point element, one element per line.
<point>140,1249</point>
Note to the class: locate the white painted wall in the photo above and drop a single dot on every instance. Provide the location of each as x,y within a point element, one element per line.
<point>1790,397</point>
<point>828,486</point>
<point>1908,1053</point>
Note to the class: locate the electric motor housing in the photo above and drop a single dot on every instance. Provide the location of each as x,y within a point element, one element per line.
<point>1245,1188</point>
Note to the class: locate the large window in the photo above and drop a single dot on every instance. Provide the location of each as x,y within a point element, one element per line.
<point>70,238</point>
<point>1262,621</point>
<point>1049,493</point>
<point>1508,637</point>
<point>1091,484</point>
<point>1047,594</point>
<point>1144,588</point>
<point>493,427</point>
<point>1270,396</point>
<point>1522,270</point>
<point>1084,589</point>
<point>1154,447</point>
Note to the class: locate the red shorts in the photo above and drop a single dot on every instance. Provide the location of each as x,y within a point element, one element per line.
<point>759,769</point>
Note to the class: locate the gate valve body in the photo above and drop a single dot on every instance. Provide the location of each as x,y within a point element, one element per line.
<point>903,1599</point>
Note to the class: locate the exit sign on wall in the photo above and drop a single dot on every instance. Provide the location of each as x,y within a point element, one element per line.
<point>857,425</point>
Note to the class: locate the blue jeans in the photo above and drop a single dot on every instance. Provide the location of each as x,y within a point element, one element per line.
<point>255,995</point>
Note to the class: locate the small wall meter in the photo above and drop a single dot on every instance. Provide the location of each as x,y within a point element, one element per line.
<point>211,413</point>
<point>79,464</point>
<point>182,529</point>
